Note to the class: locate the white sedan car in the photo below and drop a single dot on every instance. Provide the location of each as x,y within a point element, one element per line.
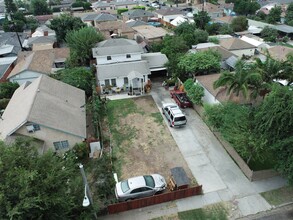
<point>140,186</point>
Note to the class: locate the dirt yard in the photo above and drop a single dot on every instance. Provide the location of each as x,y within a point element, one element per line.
<point>150,148</point>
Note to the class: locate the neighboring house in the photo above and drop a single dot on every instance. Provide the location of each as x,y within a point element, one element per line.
<point>225,54</point>
<point>137,14</point>
<point>227,8</point>
<point>219,95</point>
<point>47,110</point>
<point>43,31</point>
<point>32,64</point>
<point>40,43</point>
<point>238,47</point>
<point>149,34</point>
<point>119,64</point>
<point>6,66</point>
<point>102,6</point>
<point>179,20</point>
<point>43,19</point>
<point>214,11</point>
<point>11,43</point>
<point>166,15</point>
<point>280,52</point>
<point>94,19</point>
<point>115,28</point>
<point>254,42</point>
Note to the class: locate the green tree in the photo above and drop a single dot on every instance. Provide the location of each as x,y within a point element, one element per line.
<point>236,124</point>
<point>289,15</point>
<point>10,6</point>
<point>81,43</point>
<point>64,24</point>
<point>213,28</point>
<point>239,24</point>
<point>194,91</point>
<point>274,120</point>
<point>269,34</point>
<point>225,29</point>
<point>239,81</point>
<point>40,7</point>
<point>203,62</point>
<point>275,15</point>
<point>37,186</point>
<point>286,73</point>
<point>79,77</point>
<point>7,89</point>
<point>246,7</point>
<point>201,19</point>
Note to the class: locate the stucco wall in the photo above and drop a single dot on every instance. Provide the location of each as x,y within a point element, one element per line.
<point>49,136</point>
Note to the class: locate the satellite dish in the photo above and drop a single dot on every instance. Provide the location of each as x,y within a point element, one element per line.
<point>86,201</point>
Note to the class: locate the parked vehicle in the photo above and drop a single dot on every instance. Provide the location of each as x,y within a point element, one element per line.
<point>139,187</point>
<point>181,98</point>
<point>174,115</point>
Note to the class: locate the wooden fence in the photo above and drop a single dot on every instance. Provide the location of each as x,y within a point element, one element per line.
<point>153,200</point>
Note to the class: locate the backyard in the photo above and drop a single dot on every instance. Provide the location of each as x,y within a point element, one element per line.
<point>140,139</point>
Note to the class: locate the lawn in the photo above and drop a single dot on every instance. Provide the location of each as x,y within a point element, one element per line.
<point>140,139</point>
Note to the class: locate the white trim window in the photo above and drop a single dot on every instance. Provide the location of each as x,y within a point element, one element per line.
<point>60,145</point>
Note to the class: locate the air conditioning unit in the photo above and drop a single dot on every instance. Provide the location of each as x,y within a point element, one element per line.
<point>30,128</point>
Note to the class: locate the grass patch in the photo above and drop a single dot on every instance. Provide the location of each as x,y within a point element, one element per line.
<point>279,196</point>
<point>268,163</point>
<point>158,117</point>
<point>285,44</point>
<point>212,212</point>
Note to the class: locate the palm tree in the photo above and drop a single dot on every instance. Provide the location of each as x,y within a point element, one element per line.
<point>269,70</point>
<point>240,81</point>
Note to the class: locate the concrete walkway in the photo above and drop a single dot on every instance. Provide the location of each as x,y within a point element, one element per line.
<point>212,167</point>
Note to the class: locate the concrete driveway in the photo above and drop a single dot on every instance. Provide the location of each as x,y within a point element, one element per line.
<point>212,167</point>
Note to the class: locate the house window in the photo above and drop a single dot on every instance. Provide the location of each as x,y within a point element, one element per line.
<point>128,56</point>
<point>125,81</point>
<point>109,58</point>
<point>107,82</point>
<point>59,145</point>
<point>32,127</point>
<point>113,82</point>
<point>126,6</point>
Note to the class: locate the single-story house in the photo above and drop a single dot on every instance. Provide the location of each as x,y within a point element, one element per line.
<point>11,43</point>
<point>137,14</point>
<point>150,33</point>
<point>238,47</point>
<point>166,15</point>
<point>280,52</point>
<point>114,28</point>
<point>43,31</point>
<point>32,64</point>
<point>47,110</point>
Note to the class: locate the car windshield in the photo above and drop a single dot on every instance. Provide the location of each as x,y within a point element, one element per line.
<point>124,186</point>
<point>149,180</point>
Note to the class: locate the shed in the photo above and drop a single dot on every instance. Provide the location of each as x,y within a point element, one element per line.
<point>178,179</point>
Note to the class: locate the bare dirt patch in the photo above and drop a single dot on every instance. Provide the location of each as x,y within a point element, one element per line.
<point>152,149</point>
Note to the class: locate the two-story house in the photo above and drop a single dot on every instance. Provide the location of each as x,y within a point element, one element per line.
<point>119,64</point>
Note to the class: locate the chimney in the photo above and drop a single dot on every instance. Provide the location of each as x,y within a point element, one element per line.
<point>45,33</point>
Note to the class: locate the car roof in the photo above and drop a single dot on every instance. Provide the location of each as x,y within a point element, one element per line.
<point>136,182</point>
<point>177,112</point>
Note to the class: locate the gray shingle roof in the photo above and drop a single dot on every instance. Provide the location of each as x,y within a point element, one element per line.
<point>138,13</point>
<point>135,23</point>
<point>90,17</point>
<point>122,69</point>
<point>105,17</point>
<point>11,39</point>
